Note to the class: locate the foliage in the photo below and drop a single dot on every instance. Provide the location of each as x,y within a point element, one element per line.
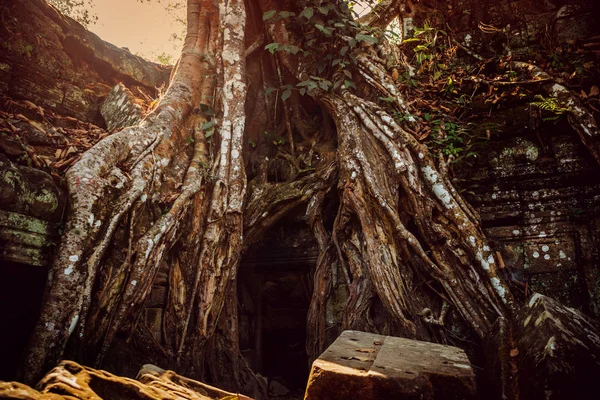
<point>164,58</point>
<point>550,105</point>
<point>274,138</point>
<point>330,39</point>
<point>452,139</point>
<point>79,10</point>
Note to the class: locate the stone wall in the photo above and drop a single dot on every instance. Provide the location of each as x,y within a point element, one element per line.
<point>538,194</point>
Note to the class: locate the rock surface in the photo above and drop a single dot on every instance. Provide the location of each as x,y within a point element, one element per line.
<point>56,63</point>
<point>70,380</point>
<point>538,194</point>
<point>31,204</point>
<point>559,351</point>
<point>361,365</point>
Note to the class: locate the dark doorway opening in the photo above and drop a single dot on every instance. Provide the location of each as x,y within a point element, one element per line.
<point>21,292</point>
<point>275,288</point>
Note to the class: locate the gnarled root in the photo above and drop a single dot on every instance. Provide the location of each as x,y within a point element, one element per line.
<point>116,235</point>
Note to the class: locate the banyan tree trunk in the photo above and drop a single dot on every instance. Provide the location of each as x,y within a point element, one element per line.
<point>404,246</point>
<point>138,193</point>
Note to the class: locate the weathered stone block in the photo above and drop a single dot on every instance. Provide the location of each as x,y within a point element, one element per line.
<point>30,206</point>
<point>120,110</point>
<point>361,365</point>
<point>559,351</point>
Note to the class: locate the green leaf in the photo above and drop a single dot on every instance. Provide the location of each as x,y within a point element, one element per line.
<point>325,84</point>
<point>436,75</point>
<point>307,13</point>
<point>388,99</point>
<point>272,47</point>
<point>269,90</point>
<point>290,48</point>
<point>309,83</point>
<point>347,73</point>
<point>366,38</point>
<point>302,91</point>
<point>326,31</point>
<point>269,14</point>
<point>28,50</point>
<point>209,133</point>
<point>286,14</point>
<point>207,125</point>
<point>349,84</point>
<point>324,10</point>
<point>286,94</point>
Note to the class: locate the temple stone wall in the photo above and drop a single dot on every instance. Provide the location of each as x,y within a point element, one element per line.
<point>538,194</point>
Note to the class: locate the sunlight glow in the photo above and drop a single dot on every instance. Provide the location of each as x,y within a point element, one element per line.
<point>145,28</point>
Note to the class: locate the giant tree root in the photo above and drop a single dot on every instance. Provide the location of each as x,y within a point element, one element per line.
<point>403,248</point>
<point>404,241</point>
<point>117,236</point>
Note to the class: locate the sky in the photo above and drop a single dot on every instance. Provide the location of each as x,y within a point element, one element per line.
<point>144,28</point>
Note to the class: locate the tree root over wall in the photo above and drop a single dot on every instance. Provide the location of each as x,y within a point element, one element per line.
<point>404,244</point>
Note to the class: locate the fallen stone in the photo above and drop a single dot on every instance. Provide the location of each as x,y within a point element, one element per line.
<point>361,365</point>
<point>120,110</point>
<point>73,381</point>
<point>559,351</point>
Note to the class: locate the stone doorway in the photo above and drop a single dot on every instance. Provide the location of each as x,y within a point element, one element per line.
<point>275,288</point>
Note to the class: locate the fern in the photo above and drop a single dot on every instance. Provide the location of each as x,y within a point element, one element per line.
<point>550,104</point>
